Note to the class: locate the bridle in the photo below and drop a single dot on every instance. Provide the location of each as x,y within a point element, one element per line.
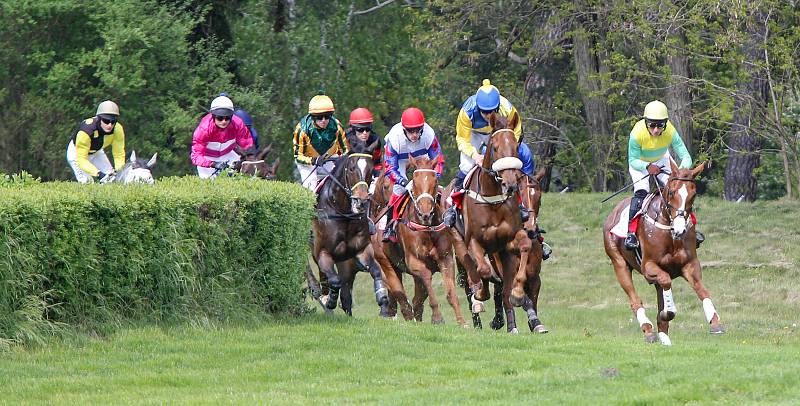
<point>498,166</point>
<point>348,189</point>
<point>665,209</point>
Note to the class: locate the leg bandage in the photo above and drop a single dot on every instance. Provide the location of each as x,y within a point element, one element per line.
<point>708,309</point>
<point>669,302</point>
<point>642,317</point>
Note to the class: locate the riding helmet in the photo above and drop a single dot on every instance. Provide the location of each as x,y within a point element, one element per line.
<point>487,97</point>
<point>320,104</point>
<point>655,110</point>
<point>412,118</point>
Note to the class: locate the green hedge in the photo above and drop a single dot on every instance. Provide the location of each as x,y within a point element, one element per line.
<point>184,249</point>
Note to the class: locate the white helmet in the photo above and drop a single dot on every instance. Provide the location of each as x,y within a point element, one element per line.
<point>222,106</point>
<point>107,108</point>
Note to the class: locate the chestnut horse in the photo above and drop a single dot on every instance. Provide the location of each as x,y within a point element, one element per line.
<point>341,229</point>
<point>667,237</point>
<point>424,246</point>
<point>492,223</point>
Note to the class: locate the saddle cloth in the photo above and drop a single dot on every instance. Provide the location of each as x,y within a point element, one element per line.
<point>457,197</point>
<point>620,229</point>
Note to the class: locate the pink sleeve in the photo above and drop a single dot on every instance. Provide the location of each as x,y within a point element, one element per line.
<point>199,146</point>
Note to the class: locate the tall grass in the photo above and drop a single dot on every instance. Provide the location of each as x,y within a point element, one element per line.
<point>594,353</point>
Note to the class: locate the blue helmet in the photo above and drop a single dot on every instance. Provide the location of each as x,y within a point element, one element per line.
<point>487,97</point>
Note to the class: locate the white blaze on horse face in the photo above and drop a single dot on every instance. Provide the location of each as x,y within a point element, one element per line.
<point>679,224</point>
<point>362,166</point>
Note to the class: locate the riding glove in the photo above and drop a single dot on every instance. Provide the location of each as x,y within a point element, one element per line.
<point>219,165</point>
<point>103,177</point>
<point>653,169</point>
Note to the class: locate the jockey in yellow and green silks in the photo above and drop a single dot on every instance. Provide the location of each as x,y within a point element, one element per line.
<point>648,153</point>
<point>317,136</point>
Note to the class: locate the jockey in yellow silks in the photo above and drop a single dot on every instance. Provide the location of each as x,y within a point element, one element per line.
<point>648,145</point>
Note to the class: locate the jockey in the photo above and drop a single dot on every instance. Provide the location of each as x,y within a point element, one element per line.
<point>317,137</point>
<point>360,126</point>
<point>472,133</point>
<point>215,137</point>
<point>648,153</point>
<point>85,153</point>
<point>248,122</point>
<point>412,136</point>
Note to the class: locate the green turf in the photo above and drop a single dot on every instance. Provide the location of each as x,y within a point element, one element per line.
<point>594,353</point>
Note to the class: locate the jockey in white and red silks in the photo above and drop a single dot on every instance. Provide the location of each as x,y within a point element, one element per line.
<point>410,137</point>
<point>216,136</point>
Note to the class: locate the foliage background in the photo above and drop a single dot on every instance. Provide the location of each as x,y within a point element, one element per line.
<point>579,72</point>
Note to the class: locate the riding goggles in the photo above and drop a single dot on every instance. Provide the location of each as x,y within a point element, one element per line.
<point>655,123</point>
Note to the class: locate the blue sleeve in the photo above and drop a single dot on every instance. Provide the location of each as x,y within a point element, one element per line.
<point>391,158</point>
<point>525,155</point>
<point>254,133</point>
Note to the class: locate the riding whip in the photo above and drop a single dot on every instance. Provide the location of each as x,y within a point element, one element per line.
<point>623,188</point>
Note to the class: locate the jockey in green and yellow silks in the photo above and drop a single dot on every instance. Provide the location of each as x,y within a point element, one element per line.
<point>648,153</point>
<point>317,136</point>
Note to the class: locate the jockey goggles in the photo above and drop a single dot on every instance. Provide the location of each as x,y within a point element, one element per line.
<point>362,129</point>
<point>326,116</point>
<point>415,130</point>
<point>107,121</point>
<point>222,118</point>
<point>655,123</point>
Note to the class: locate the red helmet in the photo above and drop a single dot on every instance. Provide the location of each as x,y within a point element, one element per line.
<point>412,118</point>
<point>360,116</point>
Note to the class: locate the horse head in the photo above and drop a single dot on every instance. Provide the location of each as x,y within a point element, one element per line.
<point>501,159</point>
<point>354,170</point>
<point>425,188</point>
<point>678,195</point>
<point>137,170</point>
<point>256,165</point>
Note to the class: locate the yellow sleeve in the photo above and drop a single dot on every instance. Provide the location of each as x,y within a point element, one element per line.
<point>341,140</point>
<point>82,145</point>
<point>118,147</point>
<point>464,134</point>
<point>300,144</point>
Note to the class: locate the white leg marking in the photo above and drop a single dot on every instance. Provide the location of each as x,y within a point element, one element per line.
<point>708,309</point>
<point>664,338</point>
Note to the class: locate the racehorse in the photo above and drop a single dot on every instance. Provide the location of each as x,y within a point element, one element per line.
<point>493,228</point>
<point>256,165</point>
<point>667,237</point>
<point>424,245</point>
<point>341,229</point>
<point>136,170</point>
<point>527,282</point>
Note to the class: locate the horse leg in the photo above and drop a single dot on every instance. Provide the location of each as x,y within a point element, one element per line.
<point>325,263</point>
<point>693,275</point>
<point>482,271</point>
<point>476,317</point>
<point>449,279</point>
<point>518,289</point>
<point>426,279</point>
<point>313,284</point>
<point>531,302</point>
<point>625,279</point>
<point>347,273</point>
<point>499,319</point>
<point>420,295</point>
<point>381,295</point>
<point>397,294</point>
<point>508,264</point>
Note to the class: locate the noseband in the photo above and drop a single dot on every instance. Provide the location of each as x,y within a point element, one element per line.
<point>666,208</point>
<point>425,195</point>
<point>498,166</point>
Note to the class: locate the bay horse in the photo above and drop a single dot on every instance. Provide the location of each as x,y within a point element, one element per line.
<point>341,234</point>
<point>667,238</point>
<point>493,228</point>
<point>255,164</point>
<point>527,281</point>
<point>423,247</point>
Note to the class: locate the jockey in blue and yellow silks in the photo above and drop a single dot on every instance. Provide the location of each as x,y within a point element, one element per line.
<point>648,145</point>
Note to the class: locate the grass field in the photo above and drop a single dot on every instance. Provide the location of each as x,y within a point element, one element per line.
<point>594,352</point>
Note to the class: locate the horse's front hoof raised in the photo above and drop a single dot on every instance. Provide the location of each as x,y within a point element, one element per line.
<point>478,306</point>
<point>718,329</point>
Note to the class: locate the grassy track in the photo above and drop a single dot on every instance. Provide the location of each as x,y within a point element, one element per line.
<point>594,353</point>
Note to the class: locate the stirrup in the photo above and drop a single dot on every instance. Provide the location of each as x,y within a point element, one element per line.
<point>699,238</point>
<point>631,242</point>
<point>546,251</point>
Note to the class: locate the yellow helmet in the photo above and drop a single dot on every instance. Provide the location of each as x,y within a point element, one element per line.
<point>107,108</point>
<point>320,104</point>
<point>655,110</point>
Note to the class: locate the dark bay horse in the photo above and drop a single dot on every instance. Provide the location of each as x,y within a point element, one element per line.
<point>424,246</point>
<point>667,237</point>
<point>493,228</point>
<point>341,229</point>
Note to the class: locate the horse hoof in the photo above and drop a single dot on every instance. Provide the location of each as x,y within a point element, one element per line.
<point>541,329</point>
<point>478,306</point>
<point>323,300</point>
<point>650,338</point>
<point>513,331</point>
<point>497,324</point>
<point>720,329</point>
<point>664,338</point>
<point>436,322</point>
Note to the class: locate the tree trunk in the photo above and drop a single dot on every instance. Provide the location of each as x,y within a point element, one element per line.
<point>750,103</point>
<point>679,98</point>
<point>587,67</point>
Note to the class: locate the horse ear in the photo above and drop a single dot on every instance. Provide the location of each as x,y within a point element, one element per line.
<point>492,119</point>
<point>698,169</point>
<point>512,124</point>
<point>264,152</point>
<point>540,174</point>
<point>152,161</point>
<point>133,156</point>
<point>673,167</point>
<point>274,168</point>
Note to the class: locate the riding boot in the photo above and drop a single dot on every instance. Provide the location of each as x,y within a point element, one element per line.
<point>449,218</point>
<point>371,226</point>
<point>631,242</point>
<point>390,234</point>
<point>699,238</point>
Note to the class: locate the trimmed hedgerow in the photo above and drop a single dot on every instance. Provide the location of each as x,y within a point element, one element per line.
<point>184,249</point>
